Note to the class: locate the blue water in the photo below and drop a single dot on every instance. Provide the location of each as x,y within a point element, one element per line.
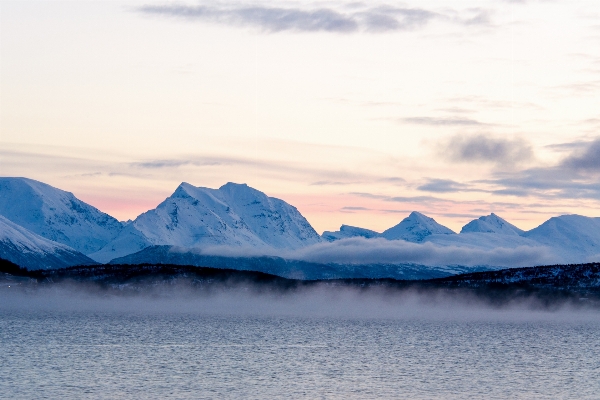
<point>107,352</point>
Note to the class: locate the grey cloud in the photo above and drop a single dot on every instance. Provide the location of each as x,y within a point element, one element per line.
<point>445,186</point>
<point>486,149</point>
<point>161,164</point>
<point>350,208</point>
<point>433,121</point>
<point>399,199</point>
<point>575,177</point>
<point>554,182</point>
<point>271,19</point>
<point>393,180</point>
<point>413,199</point>
<point>379,18</point>
<point>585,158</point>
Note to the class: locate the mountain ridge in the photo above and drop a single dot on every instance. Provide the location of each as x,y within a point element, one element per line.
<point>27,249</point>
<point>56,215</point>
<point>233,215</point>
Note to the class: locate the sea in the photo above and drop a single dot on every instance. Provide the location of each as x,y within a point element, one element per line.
<point>316,345</point>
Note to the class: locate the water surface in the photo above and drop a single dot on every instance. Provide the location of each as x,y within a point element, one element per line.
<point>108,352</point>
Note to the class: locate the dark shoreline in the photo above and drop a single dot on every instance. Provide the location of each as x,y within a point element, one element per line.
<point>547,285</point>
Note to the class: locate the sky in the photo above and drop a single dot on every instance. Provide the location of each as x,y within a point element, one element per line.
<point>355,113</point>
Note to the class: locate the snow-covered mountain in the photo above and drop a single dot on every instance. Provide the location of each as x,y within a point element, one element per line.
<point>415,228</point>
<point>56,215</point>
<point>233,215</point>
<point>238,216</point>
<point>575,237</point>
<point>492,224</point>
<point>32,251</point>
<point>347,231</point>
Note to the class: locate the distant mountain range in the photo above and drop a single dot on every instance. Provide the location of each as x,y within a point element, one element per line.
<point>47,227</point>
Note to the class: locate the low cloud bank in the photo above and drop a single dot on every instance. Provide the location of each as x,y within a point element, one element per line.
<point>381,251</point>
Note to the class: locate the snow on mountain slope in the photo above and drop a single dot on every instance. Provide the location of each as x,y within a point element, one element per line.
<point>233,215</point>
<point>56,215</point>
<point>32,251</point>
<point>492,224</point>
<point>415,228</point>
<point>347,231</point>
<point>576,238</point>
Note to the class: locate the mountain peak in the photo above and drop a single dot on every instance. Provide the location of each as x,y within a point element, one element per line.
<point>234,185</point>
<point>234,215</point>
<point>415,228</point>
<point>491,224</point>
<point>56,215</point>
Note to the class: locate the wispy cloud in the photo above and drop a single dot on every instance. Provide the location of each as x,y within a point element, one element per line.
<point>157,164</point>
<point>339,19</point>
<point>330,183</point>
<point>350,208</point>
<point>446,186</point>
<point>442,121</point>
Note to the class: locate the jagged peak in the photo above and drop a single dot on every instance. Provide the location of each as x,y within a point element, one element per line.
<point>183,190</point>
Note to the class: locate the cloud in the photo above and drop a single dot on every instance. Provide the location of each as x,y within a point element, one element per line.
<point>486,149</point>
<point>156,164</point>
<point>445,186</point>
<point>432,121</point>
<point>548,183</point>
<point>360,250</point>
<point>330,183</point>
<point>575,177</point>
<point>585,157</point>
<point>358,18</point>
<point>394,180</point>
<point>568,146</point>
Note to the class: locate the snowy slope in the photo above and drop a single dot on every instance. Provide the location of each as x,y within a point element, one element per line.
<point>576,238</point>
<point>347,231</point>
<point>491,224</point>
<point>56,215</point>
<point>233,215</point>
<point>415,228</point>
<point>32,251</point>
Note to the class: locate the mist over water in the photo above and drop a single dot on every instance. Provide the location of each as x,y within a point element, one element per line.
<point>73,341</point>
<point>322,300</point>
